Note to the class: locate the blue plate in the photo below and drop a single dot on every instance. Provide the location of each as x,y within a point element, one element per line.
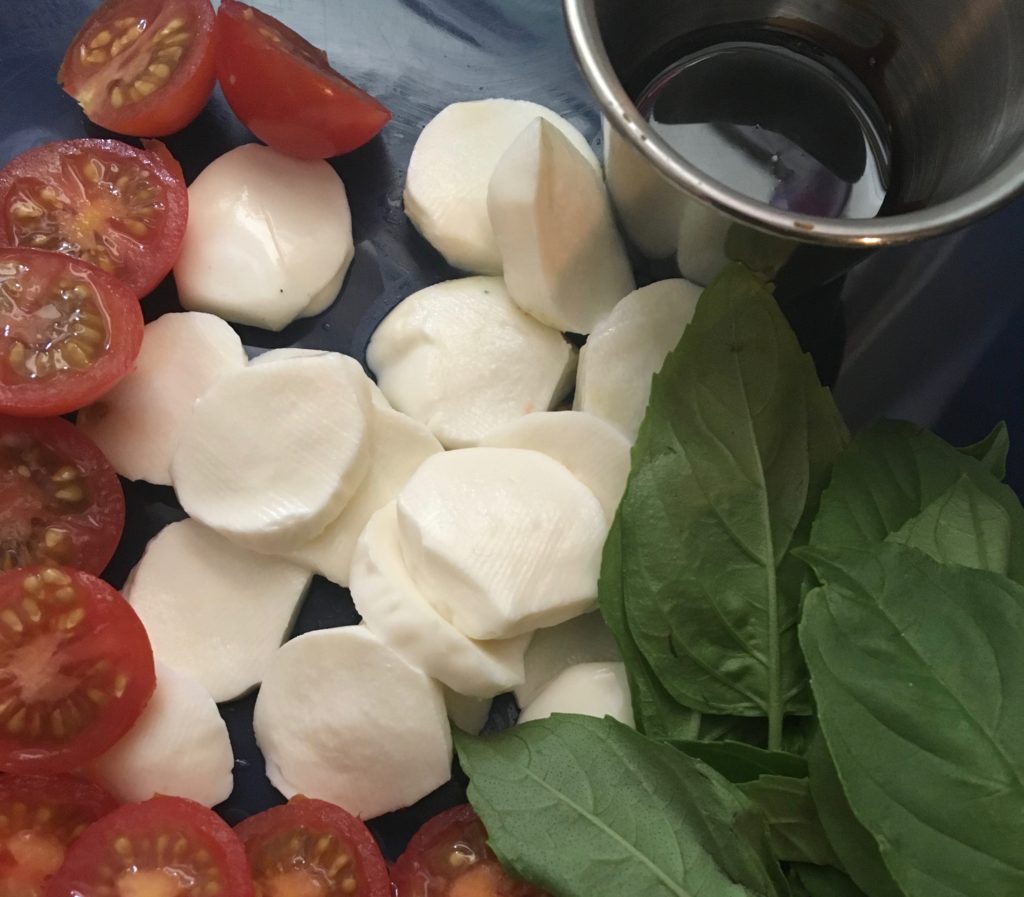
<point>933,332</point>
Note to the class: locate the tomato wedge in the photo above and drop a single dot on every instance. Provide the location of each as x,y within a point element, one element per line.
<point>449,857</point>
<point>63,503</point>
<point>142,67</point>
<point>284,90</point>
<point>39,817</point>
<point>313,847</point>
<point>76,669</point>
<point>118,207</point>
<point>165,846</point>
<point>68,333</point>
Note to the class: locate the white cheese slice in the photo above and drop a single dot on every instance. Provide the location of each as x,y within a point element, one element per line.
<point>589,689</point>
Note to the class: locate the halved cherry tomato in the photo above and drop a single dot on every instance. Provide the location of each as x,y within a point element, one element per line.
<point>449,857</point>
<point>284,90</point>
<point>142,67</point>
<point>121,208</point>
<point>39,817</point>
<point>76,669</point>
<point>312,847</point>
<point>62,501</point>
<point>68,333</point>
<point>165,846</point>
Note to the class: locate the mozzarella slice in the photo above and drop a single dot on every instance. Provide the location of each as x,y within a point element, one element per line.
<point>703,233</point>
<point>400,446</point>
<point>462,358</point>
<point>393,608</point>
<point>466,713</point>
<point>584,639</point>
<point>137,424</point>
<point>212,610</point>
<point>343,718</point>
<point>269,238</point>
<point>594,451</point>
<point>179,747</point>
<point>590,689</point>
<point>563,259</point>
<point>501,541</point>
<point>628,349</point>
<point>272,452</point>
<point>451,167</point>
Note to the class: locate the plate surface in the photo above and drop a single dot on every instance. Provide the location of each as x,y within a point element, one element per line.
<point>933,332</point>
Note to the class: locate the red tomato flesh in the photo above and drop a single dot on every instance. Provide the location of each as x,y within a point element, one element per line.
<point>76,669</point>
<point>39,817</point>
<point>284,90</point>
<point>449,857</point>
<point>68,333</point>
<point>62,501</point>
<point>142,67</point>
<point>118,207</point>
<point>310,848</point>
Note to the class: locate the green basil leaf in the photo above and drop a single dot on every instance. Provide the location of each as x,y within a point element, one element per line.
<point>793,824</point>
<point>585,807</point>
<point>740,762</point>
<point>992,451</point>
<point>735,448</point>
<point>918,674</point>
<point>962,526</point>
<point>821,881</point>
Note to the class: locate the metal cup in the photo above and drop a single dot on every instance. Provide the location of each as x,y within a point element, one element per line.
<point>948,77</point>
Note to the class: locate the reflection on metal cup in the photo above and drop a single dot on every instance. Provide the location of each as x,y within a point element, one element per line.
<point>795,135</point>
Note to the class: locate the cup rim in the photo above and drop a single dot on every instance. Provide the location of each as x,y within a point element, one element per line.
<point>996,190</point>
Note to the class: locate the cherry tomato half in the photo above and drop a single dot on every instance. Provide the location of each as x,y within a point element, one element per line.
<point>449,857</point>
<point>68,333</point>
<point>76,669</point>
<point>162,846</point>
<point>284,90</point>
<point>142,67</point>
<point>39,817</point>
<point>62,501</point>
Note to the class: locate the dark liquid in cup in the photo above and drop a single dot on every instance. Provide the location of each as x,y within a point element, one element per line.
<point>796,132</point>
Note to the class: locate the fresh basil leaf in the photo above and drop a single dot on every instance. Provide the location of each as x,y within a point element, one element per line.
<point>795,830</point>
<point>962,526</point>
<point>585,807</point>
<point>821,881</point>
<point>992,451</point>
<point>740,762</point>
<point>918,674</point>
<point>727,469</point>
<point>893,471</point>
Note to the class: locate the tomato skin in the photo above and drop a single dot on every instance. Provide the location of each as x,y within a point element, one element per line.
<point>140,839</point>
<point>175,101</point>
<point>284,90</point>
<point>269,838</point>
<point>76,669</point>
<point>39,817</point>
<point>27,389</point>
<point>90,528</point>
<point>449,857</point>
<point>94,220</point>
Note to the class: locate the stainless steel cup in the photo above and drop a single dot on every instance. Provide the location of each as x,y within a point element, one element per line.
<point>948,77</point>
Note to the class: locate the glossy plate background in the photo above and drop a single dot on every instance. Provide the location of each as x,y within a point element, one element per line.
<point>934,332</point>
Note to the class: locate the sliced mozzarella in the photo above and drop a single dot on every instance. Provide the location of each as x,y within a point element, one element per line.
<point>269,238</point>
<point>212,610</point>
<point>179,747</point>
<point>343,718</point>
<point>590,689</point>
<point>466,713</point>
<point>137,424</point>
<point>451,166</point>
<point>393,608</point>
<point>628,348</point>
<point>584,639</point>
<point>703,233</point>
<point>501,541</point>
<point>272,452</point>
<point>594,451</point>
<point>462,358</point>
<point>563,259</point>
<point>400,446</point>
